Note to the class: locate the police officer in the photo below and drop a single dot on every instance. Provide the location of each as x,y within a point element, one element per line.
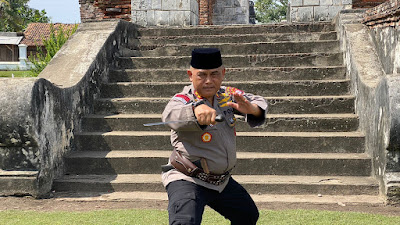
<point>205,150</point>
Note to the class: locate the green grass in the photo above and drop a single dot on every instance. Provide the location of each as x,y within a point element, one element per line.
<point>150,217</point>
<point>17,73</point>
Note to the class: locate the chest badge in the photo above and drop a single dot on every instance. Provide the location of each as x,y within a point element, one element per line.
<point>206,137</point>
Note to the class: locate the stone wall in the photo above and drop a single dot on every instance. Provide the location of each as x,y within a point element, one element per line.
<point>315,10</point>
<point>105,9</point>
<point>40,116</point>
<point>383,23</point>
<point>230,12</point>
<point>165,12</point>
<point>371,56</point>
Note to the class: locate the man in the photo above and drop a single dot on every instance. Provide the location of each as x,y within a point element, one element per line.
<point>205,150</point>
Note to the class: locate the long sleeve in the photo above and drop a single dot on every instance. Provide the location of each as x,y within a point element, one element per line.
<point>254,121</point>
<point>180,108</point>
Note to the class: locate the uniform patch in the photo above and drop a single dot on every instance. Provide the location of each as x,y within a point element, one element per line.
<point>183,98</point>
<point>233,90</point>
<point>206,137</point>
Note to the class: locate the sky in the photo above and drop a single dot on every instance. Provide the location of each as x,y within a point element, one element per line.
<point>59,11</point>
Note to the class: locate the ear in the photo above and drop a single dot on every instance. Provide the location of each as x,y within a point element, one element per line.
<point>223,72</point>
<point>190,74</point>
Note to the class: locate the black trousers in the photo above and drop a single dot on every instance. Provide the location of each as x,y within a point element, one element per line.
<point>187,201</point>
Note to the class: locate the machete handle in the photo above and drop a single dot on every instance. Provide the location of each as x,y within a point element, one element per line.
<point>219,118</point>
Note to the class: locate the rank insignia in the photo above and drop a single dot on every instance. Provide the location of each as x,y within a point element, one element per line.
<point>206,137</point>
<point>183,98</point>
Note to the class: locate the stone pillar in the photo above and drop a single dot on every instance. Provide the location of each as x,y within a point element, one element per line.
<point>231,12</point>
<point>165,12</point>
<point>23,56</point>
<point>316,10</point>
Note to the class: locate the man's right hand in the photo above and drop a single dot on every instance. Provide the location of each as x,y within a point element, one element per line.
<point>205,115</point>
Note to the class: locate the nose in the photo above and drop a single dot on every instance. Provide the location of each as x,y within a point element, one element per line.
<point>208,79</point>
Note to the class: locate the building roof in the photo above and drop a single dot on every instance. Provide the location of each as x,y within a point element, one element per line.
<point>35,32</point>
<point>10,38</point>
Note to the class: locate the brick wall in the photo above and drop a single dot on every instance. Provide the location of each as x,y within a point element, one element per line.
<point>384,15</point>
<point>206,7</point>
<point>366,3</point>
<point>105,9</point>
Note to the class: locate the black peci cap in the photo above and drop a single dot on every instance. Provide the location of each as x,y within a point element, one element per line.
<point>206,58</point>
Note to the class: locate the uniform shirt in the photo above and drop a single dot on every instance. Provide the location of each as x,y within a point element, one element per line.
<point>216,144</point>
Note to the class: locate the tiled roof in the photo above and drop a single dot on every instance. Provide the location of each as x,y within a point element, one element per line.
<point>35,32</point>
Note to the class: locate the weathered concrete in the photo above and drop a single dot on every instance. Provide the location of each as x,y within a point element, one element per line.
<point>236,48</point>
<point>280,105</point>
<point>234,38</point>
<point>233,74</point>
<point>378,93</point>
<point>255,184</point>
<point>238,29</point>
<point>117,144</point>
<point>236,61</point>
<point>263,88</point>
<point>39,117</point>
<point>249,163</point>
<point>315,10</point>
<point>275,123</point>
<point>274,142</point>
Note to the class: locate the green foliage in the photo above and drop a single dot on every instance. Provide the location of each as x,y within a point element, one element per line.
<point>15,15</point>
<point>268,11</point>
<point>51,44</point>
<point>16,73</point>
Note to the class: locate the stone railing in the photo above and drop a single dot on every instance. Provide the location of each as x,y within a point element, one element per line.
<point>40,116</point>
<point>383,22</point>
<point>377,97</point>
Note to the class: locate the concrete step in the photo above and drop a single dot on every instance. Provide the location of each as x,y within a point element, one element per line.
<point>237,61</point>
<point>273,142</point>
<point>238,29</point>
<point>278,105</point>
<point>274,123</point>
<point>161,198</point>
<point>248,163</point>
<point>263,88</point>
<point>232,74</point>
<point>231,38</point>
<point>254,184</point>
<point>235,48</point>
<point>18,182</point>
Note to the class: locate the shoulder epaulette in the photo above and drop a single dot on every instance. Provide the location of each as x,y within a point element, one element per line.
<point>183,98</point>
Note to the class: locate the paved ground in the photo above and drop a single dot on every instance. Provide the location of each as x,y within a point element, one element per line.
<point>55,204</point>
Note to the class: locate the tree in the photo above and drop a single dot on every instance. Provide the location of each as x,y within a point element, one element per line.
<point>271,10</point>
<point>15,15</point>
<point>51,44</point>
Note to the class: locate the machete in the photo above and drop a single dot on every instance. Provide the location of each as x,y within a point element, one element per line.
<point>218,118</point>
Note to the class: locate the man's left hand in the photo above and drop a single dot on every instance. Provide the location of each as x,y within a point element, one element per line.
<point>244,106</point>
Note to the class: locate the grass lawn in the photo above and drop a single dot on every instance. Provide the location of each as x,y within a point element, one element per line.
<point>151,217</point>
<point>17,73</point>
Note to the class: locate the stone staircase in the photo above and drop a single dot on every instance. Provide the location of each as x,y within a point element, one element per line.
<point>309,147</point>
